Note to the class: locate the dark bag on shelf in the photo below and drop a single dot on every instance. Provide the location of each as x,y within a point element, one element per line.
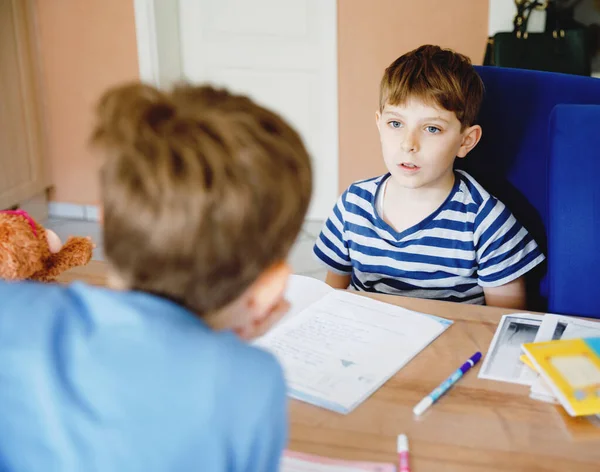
<point>555,50</point>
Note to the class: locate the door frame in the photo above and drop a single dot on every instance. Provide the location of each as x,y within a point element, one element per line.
<point>145,32</point>
<point>158,43</point>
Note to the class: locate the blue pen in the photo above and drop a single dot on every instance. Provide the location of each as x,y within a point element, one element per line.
<point>446,384</point>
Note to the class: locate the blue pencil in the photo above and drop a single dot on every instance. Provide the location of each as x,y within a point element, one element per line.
<point>445,385</point>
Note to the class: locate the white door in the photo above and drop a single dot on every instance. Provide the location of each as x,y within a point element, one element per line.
<point>282,53</point>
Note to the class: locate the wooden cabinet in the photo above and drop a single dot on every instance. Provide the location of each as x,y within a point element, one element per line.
<point>23,169</point>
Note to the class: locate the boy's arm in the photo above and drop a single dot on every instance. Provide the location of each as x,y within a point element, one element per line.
<point>510,295</point>
<point>331,247</point>
<point>338,281</point>
<point>506,252</point>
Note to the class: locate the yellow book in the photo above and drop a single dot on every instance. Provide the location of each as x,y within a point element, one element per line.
<point>571,368</point>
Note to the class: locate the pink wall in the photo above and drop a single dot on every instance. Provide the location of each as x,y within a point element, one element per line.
<point>85,46</point>
<point>371,34</point>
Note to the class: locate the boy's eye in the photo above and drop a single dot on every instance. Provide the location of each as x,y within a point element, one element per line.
<point>433,129</point>
<point>395,124</point>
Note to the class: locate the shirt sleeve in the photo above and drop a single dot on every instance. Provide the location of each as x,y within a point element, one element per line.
<point>505,249</point>
<point>259,414</point>
<point>331,247</point>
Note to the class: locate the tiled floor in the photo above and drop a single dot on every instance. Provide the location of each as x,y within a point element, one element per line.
<point>301,257</point>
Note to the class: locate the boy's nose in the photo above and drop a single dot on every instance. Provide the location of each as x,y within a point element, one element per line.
<point>410,143</point>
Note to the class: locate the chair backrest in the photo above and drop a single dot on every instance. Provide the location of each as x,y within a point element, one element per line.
<point>512,159</point>
<point>574,222</point>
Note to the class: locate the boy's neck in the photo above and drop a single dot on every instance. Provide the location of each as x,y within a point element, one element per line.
<point>421,195</point>
<point>405,207</point>
<point>114,281</point>
<point>220,320</point>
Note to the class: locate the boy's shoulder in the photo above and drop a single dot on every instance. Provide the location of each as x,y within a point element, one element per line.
<point>472,191</point>
<point>364,189</point>
<point>33,310</point>
<point>86,309</point>
<point>370,184</point>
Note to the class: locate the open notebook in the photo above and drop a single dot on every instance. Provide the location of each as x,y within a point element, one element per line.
<point>337,348</point>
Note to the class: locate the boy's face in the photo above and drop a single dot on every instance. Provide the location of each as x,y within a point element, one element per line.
<point>419,143</point>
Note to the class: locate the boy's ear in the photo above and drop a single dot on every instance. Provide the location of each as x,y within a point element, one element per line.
<point>377,118</point>
<point>471,137</point>
<point>264,301</point>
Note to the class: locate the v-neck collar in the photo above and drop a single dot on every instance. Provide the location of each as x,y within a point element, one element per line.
<point>420,225</point>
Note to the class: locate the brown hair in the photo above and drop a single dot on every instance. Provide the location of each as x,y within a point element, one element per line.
<point>435,75</point>
<point>203,190</point>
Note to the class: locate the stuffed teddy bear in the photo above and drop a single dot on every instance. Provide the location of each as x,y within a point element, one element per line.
<point>28,251</point>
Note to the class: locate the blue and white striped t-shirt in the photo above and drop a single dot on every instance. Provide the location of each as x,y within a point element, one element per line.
<point>471,241</point>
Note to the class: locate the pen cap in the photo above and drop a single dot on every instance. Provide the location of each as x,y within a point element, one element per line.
<point>476,357</point>
<point>423,405</point>
<point>402,443</point>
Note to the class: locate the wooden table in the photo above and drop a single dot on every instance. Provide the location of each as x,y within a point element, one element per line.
<point>480,425</point>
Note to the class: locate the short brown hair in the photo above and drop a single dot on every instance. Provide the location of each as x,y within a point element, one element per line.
<point>435,75</point>
<point>203,190</point>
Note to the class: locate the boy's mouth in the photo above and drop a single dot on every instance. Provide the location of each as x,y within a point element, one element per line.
<point>409,166</point>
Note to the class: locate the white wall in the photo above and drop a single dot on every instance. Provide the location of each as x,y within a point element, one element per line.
<point>502,13</point>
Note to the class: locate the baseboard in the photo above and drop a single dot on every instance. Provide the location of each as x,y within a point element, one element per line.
<point>36,206</point>
<point>73,211</point>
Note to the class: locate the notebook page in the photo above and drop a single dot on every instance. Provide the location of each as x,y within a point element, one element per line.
<point>301,292</point>
<point>342,348</point>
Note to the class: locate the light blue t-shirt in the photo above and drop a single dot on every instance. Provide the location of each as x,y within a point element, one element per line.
<point>98,380</point>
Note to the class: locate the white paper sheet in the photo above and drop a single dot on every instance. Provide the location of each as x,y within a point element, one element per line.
<point>566,327</point>
<point>502,359</point>
<point>540,391</point>
<point>343,347</point>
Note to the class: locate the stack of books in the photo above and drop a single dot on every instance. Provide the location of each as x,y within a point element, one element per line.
<point>569,372</point>
<point>558,357</point>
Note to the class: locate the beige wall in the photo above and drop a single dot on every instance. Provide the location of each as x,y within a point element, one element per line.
<point>89,45</point>
<point>371,34</point>
<point>85,46</point>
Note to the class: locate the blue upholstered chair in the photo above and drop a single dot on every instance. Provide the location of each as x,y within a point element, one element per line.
<point>539,159</point>
<point>574,202</point>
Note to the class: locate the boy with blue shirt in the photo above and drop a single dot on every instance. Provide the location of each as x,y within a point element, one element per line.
<point>423,229</point>
<point>204,193</point>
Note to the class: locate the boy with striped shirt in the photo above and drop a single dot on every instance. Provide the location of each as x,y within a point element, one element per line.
<point>424,229</point>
